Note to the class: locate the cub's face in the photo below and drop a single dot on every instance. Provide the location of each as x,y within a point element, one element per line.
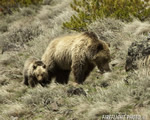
<point>102,59</point>
<point>40,72</point>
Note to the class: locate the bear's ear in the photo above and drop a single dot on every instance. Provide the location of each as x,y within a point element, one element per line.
<point>100,47</point>
<point>34,67</point>
<point>108,44</point>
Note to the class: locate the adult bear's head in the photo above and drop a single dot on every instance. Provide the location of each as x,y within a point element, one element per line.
<point>101,56</point>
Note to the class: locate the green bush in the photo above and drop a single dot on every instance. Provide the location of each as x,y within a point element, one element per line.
<point>6,6</point>
<point>90,10</point>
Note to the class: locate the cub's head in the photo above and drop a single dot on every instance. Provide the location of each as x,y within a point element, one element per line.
<point>102,57</point>
<point>40,71</point>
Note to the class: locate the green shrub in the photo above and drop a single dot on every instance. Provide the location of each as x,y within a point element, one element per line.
<point>6,6</point>
<point>90,10</point>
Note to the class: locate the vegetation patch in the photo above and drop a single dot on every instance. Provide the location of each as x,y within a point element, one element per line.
<point>90,10</point>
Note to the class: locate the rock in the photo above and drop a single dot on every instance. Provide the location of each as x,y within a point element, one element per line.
<point>104,84</point>
<point>76,91</point>
<point>54,106</point>
<point>137,51</point>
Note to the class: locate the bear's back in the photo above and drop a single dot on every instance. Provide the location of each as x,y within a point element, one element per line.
<point>63,49</point>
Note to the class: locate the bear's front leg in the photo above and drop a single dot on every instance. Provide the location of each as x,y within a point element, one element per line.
<point>25,82</point>
<point>32,82</point>
<point>45,82</point>
<point>79,72</point>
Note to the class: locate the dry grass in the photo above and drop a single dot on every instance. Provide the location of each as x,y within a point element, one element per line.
<point>113,93</point>
<point>138,28</point>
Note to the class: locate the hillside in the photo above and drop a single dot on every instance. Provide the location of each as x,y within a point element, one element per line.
<point>28,32</point>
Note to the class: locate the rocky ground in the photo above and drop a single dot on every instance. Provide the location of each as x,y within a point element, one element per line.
<point>28,32</point>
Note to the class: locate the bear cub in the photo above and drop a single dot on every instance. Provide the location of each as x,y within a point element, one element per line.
<point>35,72</point>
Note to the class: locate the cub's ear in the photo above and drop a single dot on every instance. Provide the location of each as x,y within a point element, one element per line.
<point>34,67</point>
<point>108,44</point>
<point>100,47</point>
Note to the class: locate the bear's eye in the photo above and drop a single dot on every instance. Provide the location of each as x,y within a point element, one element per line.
<point>34,67</point>
<point>99,47</point>
<point>39,75</point>
<point>44,66</point>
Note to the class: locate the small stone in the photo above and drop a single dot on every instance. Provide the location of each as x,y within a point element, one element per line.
<point>54,106</point>
<point>76,91</point>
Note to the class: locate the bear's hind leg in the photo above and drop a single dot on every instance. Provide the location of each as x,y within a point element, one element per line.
<point>62,76</point>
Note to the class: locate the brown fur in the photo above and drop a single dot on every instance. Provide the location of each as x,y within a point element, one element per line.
<point>78,53</point>
<point>35,72</point>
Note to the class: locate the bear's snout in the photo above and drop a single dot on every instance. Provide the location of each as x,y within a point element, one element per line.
<point>40,78</point>
<point>104,68</point>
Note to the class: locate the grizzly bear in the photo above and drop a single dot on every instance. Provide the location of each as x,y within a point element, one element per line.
<point>78,53</point>
<point>35,72</point>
